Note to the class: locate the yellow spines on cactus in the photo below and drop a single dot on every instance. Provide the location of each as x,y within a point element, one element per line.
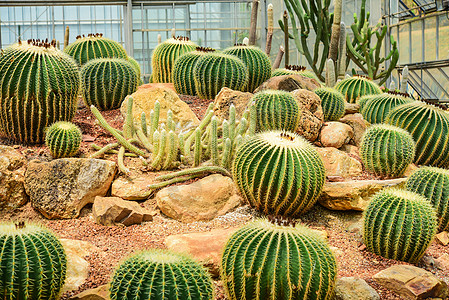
<point>333,103</point>
<point>294,69</point>
<point>63,139</point>
<point>357,86</point>
<point>136,67</point>
<point>376,109</point>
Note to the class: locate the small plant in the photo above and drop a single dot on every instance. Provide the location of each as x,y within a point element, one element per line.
<point>376,109</point>
<point>63,139</point>
<point>274,259</point>
<point>357,86</point>
<point>333,103</point>
<point>399,225</point>
<point>294,69</point>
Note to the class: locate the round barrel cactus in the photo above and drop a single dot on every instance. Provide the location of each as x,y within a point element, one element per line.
<point>357,86</point>
<point>165,55</point>
<point>387,150</point>
<point>63,139</point>
<point>94,46</point>
<point>429,126</point>
<point>276,110</point>
<point>257,62</point>
<point>33,263</point>
<point>39,85</point>
<point>433,183</point>
<point>294,69</point>
<point>136,68</point>
<point>399,225</point>
<point>376,109</point>
<point>279,173</point>
<point>333,103</point>
<point>107,81</point>
<point>214,71</point>
<point>363,100</point>
<point>159,274</point>
<point>265,260</point>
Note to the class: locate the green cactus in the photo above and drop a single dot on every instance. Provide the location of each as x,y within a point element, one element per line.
<point>387,150</point>
<point>94,46</point>
<point>107,81</point>
<point>376,109</point>
<point>333,103</point>
<point>363,100</point>
<point>265,260</point>
<point>214,71</point>
<point>279,173</point>
<point>33,263</point>
<point>399,225</point>
<point>39,85</point>
<point>136,68</point>
<point>356,87</point>
<point>165,55</point>
<point>257,62</point>
<point>160,274</point>
<point>433,183</point>
<point>63,139</point>
<point>276,110</point>
<point>429,127</point>
<point>294,69</point>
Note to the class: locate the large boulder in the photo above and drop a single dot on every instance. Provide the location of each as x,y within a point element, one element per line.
<point>61,188</point>
<point>289,83</point>
<point>351,108</point>
<point>339,164</point>
<point>99,293</point>
<point>226,97</point>
<point>312,117</point>
<point>335,134</point>
<point>353,288</point>
<point>167,85</point>
<point>358,125</point>
<point>12,175</point>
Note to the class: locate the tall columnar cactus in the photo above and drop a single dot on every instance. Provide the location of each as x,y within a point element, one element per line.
<point>433,183</point>
<point>333,103</point>
<point>214,71</point>
<point>63,139</point>
<point>107,81</point>
<point>160,274</point>
<point>165,55</point>
<point>270,171</point>
<point>294,69</point>
<point>264,260</point>
<point>39,86</point>
<point>357,86</point>
<point>399,225</point>
<point>387,150</point>
<point>33,263</point>
<point>376,109</point>
<point>276,110</point>
<point>429,126</point>
<point>94,46</point>
<point>257,62</point>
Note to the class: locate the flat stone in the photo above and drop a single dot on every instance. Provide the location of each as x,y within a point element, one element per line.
<point>12,176</point>
<point>312,117</point>
<point>442,262</point>
<point>289,83</point>
<point>353,288</point>
<point>443,238</point>
<point>351,108</point>
<point>338,163</point>
<point>135,188</point>
<point>99,293</point>
<point>335,134</point>
<point>350,149</point>
<point>358,125</point>
<point>226,97</point>
<point>169,86</point>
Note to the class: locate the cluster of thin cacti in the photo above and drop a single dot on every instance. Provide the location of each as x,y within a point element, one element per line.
<point>63,139</point>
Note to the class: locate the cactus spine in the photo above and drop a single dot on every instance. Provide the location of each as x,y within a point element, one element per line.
<point>356,87</point>
<point>63,139</point>
<point>376,109</point>
<point>333,103</point>
<point>294,69</point>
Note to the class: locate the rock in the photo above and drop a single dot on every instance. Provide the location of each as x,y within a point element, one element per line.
<point>353,288</point>
<point>289,83</point>
<point>337,251</point>
<point>113,210</point>
<point>61,188</point>
<point>442,262</point>
<point>354,194</point>
<point>206,247</point>
<point>339,163</point>
<point>358,125</point>
<point>99,293</point>
<point>226,97</point>
<point>410,169</point>
<point>312,117</point>
<point>167,86</point>
<point>202,200</point>
<point>135,188</point>
<point>144,99</point>
<point>12,175</point>
<point>350,149</point>
<point>351,108</point>
<point>411,282</point>
<point>335,134</point>
<point>443,238</point>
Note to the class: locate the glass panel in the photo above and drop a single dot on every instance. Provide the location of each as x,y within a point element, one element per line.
<point>416,46</point>
<point>430,39</point>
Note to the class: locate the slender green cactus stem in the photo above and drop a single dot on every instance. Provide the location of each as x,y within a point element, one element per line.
<point>213,141</point>
<point>128,128</point>
<point>232,122</point>
<point>156,139</point>
<point>143,123</point>
<point>160,154</point>
<point>226,158</point>
<point>198,148</point>
<point>172,150</point>
<point>225,129</point>
<point>286,38</point>
<point>154,118</point>
<point>330,73</point>
<point>181,142</point>
<point>199,171</point>
<point>335,35</point>
<point>109,150</point>
<point>120,161</point>
<point>103,150</point>
<point>156,186</point>
<point>242,127</point>
<point>144,140</point>
<point>152,129</point>
<point>202,125</point>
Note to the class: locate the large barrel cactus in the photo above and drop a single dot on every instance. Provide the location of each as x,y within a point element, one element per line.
<point>433,183</point>
<point>363,100</point>
<point>279,173</point>
<point>107,81</point>
<point>294,69</point>
<point>257,62</point>
<point>357,86</point>
<point>94,46</point>
<point>265,260</point>
<point>39,85</point>
<point>63,139</point>
<point>429,126</point>
<point>33,263</point>
<point>165,55</point>
<point>214,71</point>
<point>333,103</point>
<point>136,68</point>
<point>159,274</point>
<point>376,109</point>
<point>399,225</point>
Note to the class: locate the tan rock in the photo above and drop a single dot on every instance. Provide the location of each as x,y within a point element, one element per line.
<point>335,134</point>
<point>353,288</point>
<point>61,188</point>
<point>350,149</point>
<point>339,163</point>
<point>169,86</point>
<point>351,108</point>
<point>358,125</point>
<point>411,282</point>
<point>289,83</point>
<point>443,238</point>
<point>442,262</point>
<point>226,97</point>
<point>410,170</point>
<point>312,117</point>
<point>134,188</point>
<point>202,200</point>
<point>99,293</point>
<point>12,175</point>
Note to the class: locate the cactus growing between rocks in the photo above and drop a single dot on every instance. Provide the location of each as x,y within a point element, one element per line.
<point>63,139</point>
<point>357,86</point>
<point>333,103</point>
<point>376,109</point>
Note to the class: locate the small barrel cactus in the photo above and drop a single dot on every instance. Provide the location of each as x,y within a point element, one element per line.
<point>399,225</point>
<point>265,260</point>
<point>257,62</point>
<point>39,85</point>
<point>33,263</point>
<point>333,103</point>
<point>276,110</point>
<point>294,69</point>
<point>63,139</point>
<point>94,46</point>
<point>376,109</point>
<point>159,274</point>
<point>433,183</point>
<point>214,71</point>
<point>165,55</point>
<point>107,81</point>
<point>279,173</point>
<point>357,86</point>
<point>363,100</point>
<point>387,150</point>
